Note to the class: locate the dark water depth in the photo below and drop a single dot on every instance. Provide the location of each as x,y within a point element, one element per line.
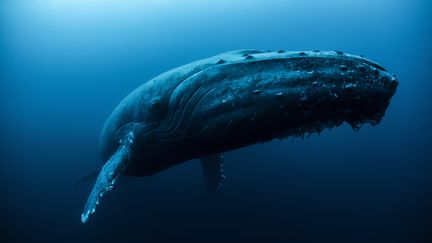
<point>64,65</point>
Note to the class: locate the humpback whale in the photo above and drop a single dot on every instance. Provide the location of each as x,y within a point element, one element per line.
<point>232,100</point>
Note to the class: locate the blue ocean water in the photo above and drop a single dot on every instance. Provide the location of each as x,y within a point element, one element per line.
<point>65,64</point>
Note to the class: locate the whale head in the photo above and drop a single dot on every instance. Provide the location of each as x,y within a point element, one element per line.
<point>330,88</point>
<point>280,94</point>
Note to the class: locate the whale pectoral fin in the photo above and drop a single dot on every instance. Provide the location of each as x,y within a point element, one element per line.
<point>87,177</point>
<point>213,171</point>
<point>106,178</point>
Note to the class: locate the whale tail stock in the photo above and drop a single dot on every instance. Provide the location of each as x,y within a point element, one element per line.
<point>108,175</point>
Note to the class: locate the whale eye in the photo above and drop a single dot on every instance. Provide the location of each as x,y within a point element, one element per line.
<point>156,103</point>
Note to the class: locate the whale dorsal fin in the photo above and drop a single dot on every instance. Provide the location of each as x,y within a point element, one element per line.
<point>213,171</point>
<point>108,175</point>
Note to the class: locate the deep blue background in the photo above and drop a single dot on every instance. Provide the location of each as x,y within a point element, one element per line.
<point>65,64</point>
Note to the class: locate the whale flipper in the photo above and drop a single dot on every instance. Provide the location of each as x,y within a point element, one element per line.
<point>213,171</point>
<point>106,178</point>
<point>87,177</point>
